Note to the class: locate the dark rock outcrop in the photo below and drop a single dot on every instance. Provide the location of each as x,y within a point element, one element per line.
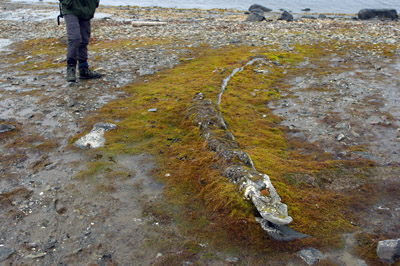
<point>286,16</point>
<point>366,13</point>
<point>258,8</point>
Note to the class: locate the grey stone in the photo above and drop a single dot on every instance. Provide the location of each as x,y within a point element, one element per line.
<point>36,256</point>
<point>105,126</point>
<point>6,128</point>
<point>286,16</point>
<point>232,260</point>
<point>254,17</point>
<point>340,137</point>
<point>51,244</point>
<point>388,250</point>
<point>5,253</point>
<point>310,255</point>
<point>367,13</point>
<point>153,110</point>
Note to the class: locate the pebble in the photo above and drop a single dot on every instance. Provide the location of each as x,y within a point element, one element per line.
<point>36,256</point>
<point>340,137</point>
<point>232,260</point>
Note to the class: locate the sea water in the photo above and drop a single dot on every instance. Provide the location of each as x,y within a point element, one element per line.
<point>296,6</point>
<point>320,6</point>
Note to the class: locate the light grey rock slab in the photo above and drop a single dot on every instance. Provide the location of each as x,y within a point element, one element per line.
<point>310,255</point>
<point>95,138</point>
<point>388,250</point>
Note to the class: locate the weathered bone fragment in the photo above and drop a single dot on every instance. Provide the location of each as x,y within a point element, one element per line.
<point>238,167</point>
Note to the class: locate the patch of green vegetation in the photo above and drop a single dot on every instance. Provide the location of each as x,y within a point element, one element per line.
<point>209,205</point>
<point>123,44</point>
<point>95,168</point>
<point>28,141</point>
<point>39,54</point>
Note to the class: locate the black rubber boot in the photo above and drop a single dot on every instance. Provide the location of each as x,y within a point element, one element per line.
<point>86,73</point>
<point>71,73</point>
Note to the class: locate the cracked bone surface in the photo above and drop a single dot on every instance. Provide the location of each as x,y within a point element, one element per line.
<point>239,168</point>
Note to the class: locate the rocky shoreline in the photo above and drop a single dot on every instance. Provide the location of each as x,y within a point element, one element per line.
<point>50,216</point>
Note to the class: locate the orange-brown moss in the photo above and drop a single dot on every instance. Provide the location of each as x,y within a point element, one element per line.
<point>21,193</point>
<point>209,206</point>
<point>39,54</point>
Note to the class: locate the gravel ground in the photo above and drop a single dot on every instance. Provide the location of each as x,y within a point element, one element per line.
<point>52,217</point>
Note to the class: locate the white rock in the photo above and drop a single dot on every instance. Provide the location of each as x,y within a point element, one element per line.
<point>95,138</point>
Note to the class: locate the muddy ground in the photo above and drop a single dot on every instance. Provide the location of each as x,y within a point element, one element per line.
<point>51,216</point>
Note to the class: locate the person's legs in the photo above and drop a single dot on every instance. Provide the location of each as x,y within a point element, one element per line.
<point>85,37</point>
<point>84,71</point>
<point>73,44</point>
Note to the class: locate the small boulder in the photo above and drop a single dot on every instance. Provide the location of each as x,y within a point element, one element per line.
<point>322,16</point>
<point>254,17</point>
<point>310,255</point>
<point>256,13</point>
<point>366,13</point>
<point>256,8</point>
<point>388,250</point>
<point>286,16</point>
